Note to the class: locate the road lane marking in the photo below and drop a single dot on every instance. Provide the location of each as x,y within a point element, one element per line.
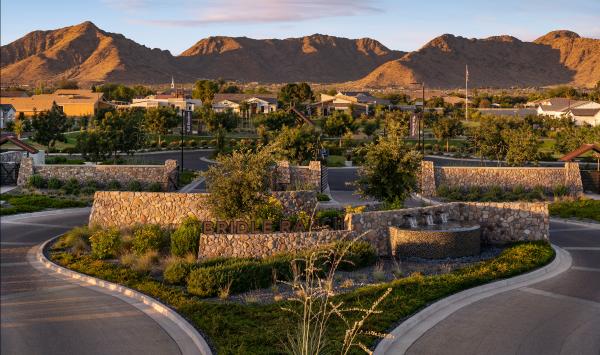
<point>582,301</point>
<point>583,268</point>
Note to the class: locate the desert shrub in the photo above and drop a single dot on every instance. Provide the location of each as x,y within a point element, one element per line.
<point>88,190</point>
<point>192,143</point>
<point>113,185</point>
<point>358,255</point>
<point>186,238</point>
<point>148,237</point>
<point>176,271</point>
<point>145,262</point>
<point>105,243</point>
<point>271,210</point>
<point>163,144</point>
<point>36,181</point>
<point>54,183</point>
<point>71,187</point>
<point>71,237</point>
<point>155,187</point>
<point>332,218</point>
<point>560,191</point>
<point>134,186</point>
<point>174,144</point>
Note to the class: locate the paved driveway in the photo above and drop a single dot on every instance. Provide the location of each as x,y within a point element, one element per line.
<point>560,315</point>
<point>41,314</point>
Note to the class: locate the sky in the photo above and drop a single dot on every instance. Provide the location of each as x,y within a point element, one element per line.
<point>399,24</point>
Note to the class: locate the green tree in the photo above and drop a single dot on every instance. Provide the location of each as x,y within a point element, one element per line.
<point>523,145</point>
<point>159,120</point>
<point>275,121</point>
<point>239,184</point>
<point>296,144</point>
<point>205,90</point>
<point>572,137</point>
<point>19,128</point>
<point>389,171</point>
<point>292,94</point>
<point>338,123</point>
<point>116,92</point>
<point>67,84</point>
<point>49,126</point>
<point>446,128</point>
<point>397,123</point>
<point>219,124</point>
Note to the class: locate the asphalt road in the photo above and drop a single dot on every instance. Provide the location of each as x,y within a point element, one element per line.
<point>42,314</point>
<point>560,315</point>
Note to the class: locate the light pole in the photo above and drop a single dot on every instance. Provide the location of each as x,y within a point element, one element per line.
<point>422,118</point>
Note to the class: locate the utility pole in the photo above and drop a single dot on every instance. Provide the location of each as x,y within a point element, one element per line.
<point>466,92</point>
<point>421,137</point>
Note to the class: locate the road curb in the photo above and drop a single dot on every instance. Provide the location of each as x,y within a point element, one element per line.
<point>576,222</point>
<point>409,331</point>
<point>167,318</point>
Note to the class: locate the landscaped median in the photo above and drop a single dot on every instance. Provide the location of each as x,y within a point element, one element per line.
<point>232,326</point>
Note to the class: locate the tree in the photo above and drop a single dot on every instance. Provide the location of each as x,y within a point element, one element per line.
<point>116,92</point>
<point>397,123</point>
<point>446,128</point>
<point>296,144</point>
<point>205,90</point>
<point>219,123</point>
<point>389,171</point>
<point>572,137</point>
<point>159,120</point>
<point>67,84</point>
<point>49,126</point>
<point>275,121</point>
<point>338,123</point>
<point>523,145</point>
<point>19,127</point>
<point>292,94</point>
<point>239,184</point>
<point>369,126</point>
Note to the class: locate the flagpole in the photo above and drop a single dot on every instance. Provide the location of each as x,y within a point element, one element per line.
<point>466,92</point>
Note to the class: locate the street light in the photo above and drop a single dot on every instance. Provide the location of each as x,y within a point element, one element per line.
<point>421,121</point>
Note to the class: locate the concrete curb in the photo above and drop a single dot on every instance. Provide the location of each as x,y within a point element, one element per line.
<point>576,222</point>
<point>183,333</point>
<point>403,336</point>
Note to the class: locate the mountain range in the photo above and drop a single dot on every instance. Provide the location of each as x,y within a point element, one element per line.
<point>90,55</point>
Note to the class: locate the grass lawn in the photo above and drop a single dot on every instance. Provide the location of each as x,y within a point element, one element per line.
<point>34,203</point>
<point>581,209</point>
<point>335,160</point>
<point>233,328</point>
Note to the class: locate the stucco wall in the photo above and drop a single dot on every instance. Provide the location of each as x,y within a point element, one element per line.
<point>505,177</point>
<point>165,174</point>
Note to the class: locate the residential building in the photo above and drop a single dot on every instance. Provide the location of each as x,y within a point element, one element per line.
<point>354,102</point>
<point>72,102</point>
<point>261,103</point>
<point>583,116</point>
<point>167,100</point>
<point>558,106</point>
<point>7,114</point>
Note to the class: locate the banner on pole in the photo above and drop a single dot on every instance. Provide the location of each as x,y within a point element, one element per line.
<point>188,121</point>
<point>414,126</point>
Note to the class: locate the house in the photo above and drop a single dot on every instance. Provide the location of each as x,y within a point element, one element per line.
<point>354,102</point>
<point>583,116</point>
<point>558,106</point>
<point>72,102</point>
<point>254,104</point>
<point>167,100</point>
<point>7,114</point>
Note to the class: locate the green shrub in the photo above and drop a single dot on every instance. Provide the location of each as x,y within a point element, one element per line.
<point>113,185</point>
<point>332,218</point>
<point>148,237</point>
<point>71,187</point>
<point>88,190</point>
<point>560,191</point>
<point>36,181</point>
<point>177,271</point>
<point>54,183</point>
<point>105,243</point>
<point>71,237</point>
<point>155,187</point>
<point>186,238</point>
<point>134,186</point>
<point>323,197</point>
<point>358,255</point>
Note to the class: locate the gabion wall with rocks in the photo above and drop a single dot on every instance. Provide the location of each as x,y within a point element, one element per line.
<point>435,244</point>
<point>296,177</point>
<point>166,174</point>
<point>124,209</point>
<point>266,244</point>
<point>549,178</point>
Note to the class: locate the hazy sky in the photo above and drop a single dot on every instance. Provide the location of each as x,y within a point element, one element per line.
<point>404,25</point>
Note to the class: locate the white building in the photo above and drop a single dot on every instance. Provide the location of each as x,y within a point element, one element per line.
<point>356,102</point>
<point>180,103</point>
<point>582,116</point>
<point>558,106</point>
<point>255,104</point>
<point>7,114</point>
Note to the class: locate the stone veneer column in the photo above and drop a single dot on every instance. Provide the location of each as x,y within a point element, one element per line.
<point>171,175</point>
<point>315,168</point>
<point>573,178</point>
<point>25,170</point>
<point>427,180</point>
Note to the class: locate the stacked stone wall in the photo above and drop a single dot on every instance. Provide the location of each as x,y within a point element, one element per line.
<point>266,244</point>
<point>166,174</point>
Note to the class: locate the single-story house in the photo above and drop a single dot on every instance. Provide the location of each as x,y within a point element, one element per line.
<point>7,114</point>
<point>255,103</point>
<point>558,106</point>
<point>582,116</point>
<point>167,100</point>
<point>355,102</point>
<point>73,102</point>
